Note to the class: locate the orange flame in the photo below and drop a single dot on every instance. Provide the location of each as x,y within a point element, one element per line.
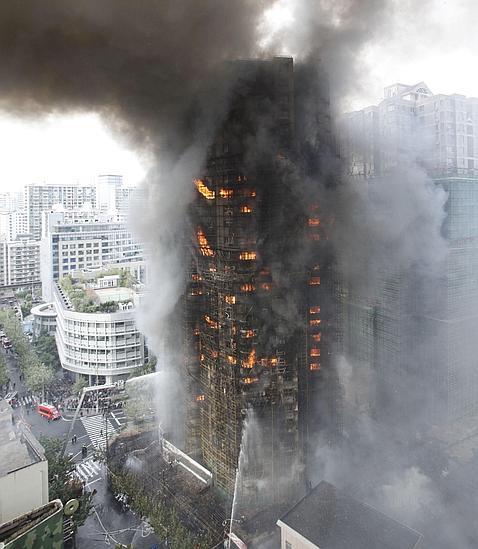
<point>246,209</point>
<point>226,193</point>
<point>230,299</point>
<point>211,323</point>
<point>231,359</point>
<point>315,351</point>
<point>314,366</point>
<point>272,361</point>
<point>314,281</point>
<point>250,361</point>
<point>314,222</point>
<point>247,333</point>
<point>314,310</point>
<point>200,398</point>
<point>249,193</point>
<point>314,322</point>
<point>248,288</point>
<point>247,256</point>
<point>249,380</point>
<point>204,190</point>
<point>204,247</point>
<point>317,337</point>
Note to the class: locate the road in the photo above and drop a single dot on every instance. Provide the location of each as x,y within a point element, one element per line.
<point>109,522</point>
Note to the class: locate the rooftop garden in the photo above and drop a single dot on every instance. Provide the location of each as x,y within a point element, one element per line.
<point>85,299</point>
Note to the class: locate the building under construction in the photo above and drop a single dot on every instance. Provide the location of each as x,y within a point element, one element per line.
<point>260,311</point>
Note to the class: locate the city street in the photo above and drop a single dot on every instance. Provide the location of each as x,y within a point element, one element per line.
<point>110,522</point>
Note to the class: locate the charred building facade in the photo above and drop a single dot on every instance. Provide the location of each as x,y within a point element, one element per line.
<point>260,313</point>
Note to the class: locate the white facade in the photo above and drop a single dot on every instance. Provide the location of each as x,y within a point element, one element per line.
<point>97,344</point>
<point>12,224</point>
<point>44,319</point>
<point>290,539</point>
<point>11,201</point>
<point>88,243</point>
<point>40,198</point>
<point>19,262</point>
<point>109,192</point>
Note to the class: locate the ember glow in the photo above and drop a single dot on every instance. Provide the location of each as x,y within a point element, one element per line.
<point>204,190</point>
<point>250,361</point>
<point>204,247</point>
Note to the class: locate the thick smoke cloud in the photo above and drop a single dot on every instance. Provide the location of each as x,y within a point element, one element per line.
<point>335,32</point>
<point>152,69</point>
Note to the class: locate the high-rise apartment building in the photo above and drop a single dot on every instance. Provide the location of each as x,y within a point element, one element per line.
<point>85,240</point>
<point>257,314</point>
<point>417,331</point>
<point>19,262</point>
<point>409,123</point>
<point>13,224</point>
<point>108,192</point>
<point>11,201</point>
<point>40,198</point>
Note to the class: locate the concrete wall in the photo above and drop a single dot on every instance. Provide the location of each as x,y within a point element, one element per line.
<point>296,541</point>
<point>23,490</point>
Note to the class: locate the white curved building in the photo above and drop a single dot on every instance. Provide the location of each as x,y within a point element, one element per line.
<point>44,319</point>
<point>103,346</point>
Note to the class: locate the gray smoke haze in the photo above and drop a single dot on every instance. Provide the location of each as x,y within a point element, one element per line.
<point>337,33</point>
<point>152,70</point>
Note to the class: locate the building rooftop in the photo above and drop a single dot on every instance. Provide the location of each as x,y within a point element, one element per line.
<point>331,519</point>
<point>18,447</point>
<point>98,293</point>
<point>15,532</point>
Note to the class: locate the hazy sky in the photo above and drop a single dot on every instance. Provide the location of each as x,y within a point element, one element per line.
<point>431,40</point>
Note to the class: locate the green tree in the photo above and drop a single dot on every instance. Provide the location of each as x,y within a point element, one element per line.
<point>13,329</point>
<point>45,348</point>
<point>79,385</point>
<point>4,377</point>
<point>37,375</point>
<point>60,482</point>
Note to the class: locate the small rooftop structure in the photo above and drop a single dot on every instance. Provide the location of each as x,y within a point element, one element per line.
<point>23,468</point>
<point>327,518</point>
<point>18,449</point>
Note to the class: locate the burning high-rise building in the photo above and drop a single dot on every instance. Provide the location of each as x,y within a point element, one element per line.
<point>260,304</point>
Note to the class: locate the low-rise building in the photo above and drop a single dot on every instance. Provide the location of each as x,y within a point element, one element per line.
<point>327,518</point>
<point>96,332</point>
<point>23,469</point>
